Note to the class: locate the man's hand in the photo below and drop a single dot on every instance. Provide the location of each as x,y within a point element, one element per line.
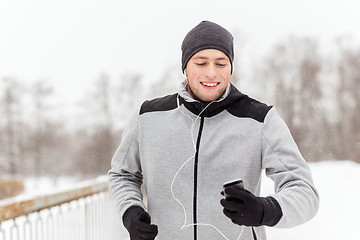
<point>242,207</point>
<point>137,222</point>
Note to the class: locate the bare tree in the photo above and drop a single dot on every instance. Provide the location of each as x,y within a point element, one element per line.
<point>96,143</point>
<point>293,68</point>
<point>12,111</point>
<point>347,141</point>
<point>129,94</point>
<point>42,128</point>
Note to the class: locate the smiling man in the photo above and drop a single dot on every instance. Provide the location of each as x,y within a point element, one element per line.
<point>208,73</point>
<point>207,58</point>
<point>183,147</point>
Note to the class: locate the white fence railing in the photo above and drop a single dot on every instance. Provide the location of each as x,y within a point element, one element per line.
<point>85,212</point>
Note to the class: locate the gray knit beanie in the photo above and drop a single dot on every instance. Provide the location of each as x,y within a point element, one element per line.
<point>207,35</point>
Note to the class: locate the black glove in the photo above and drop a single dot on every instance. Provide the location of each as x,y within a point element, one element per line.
<point>137,221</point>
<point>244,208</point>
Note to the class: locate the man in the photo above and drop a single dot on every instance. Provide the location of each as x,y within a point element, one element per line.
<point>185,146</point>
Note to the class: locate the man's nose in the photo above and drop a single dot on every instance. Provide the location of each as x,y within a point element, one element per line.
<point>211,71</point>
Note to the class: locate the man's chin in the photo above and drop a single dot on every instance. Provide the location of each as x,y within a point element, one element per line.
<point>205,96</point>
<point>208,98</point>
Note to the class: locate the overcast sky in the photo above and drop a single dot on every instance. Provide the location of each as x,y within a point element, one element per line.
<point>70,42</point>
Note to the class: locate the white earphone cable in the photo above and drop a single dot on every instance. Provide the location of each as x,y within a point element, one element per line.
<point>177,172</point>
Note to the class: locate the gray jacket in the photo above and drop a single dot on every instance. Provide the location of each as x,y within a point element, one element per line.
<point>184,158</point>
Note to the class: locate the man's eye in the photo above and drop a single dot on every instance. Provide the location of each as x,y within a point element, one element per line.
<point>221,65</point>
<point>200,64</point>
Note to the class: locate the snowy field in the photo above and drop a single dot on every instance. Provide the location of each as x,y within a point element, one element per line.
<point>338,186</point>
<point>337,183</point>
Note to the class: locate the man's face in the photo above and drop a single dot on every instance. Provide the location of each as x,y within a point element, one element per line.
<point>208,73</point>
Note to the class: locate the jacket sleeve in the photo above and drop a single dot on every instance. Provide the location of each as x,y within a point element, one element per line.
<point>284,164</point>
<point>125,175</point>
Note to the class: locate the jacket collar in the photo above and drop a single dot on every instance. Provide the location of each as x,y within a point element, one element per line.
<point>230,96</point>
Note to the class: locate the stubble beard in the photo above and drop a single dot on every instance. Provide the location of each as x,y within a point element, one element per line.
<point>188,88</point>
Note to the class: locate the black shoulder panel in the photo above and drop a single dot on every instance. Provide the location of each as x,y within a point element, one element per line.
<point>159,104</point>
<point>249,108</point>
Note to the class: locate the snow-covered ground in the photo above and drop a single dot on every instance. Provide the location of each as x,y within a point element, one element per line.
<point>38,186</point>
<point>338,186</point>
<point>337,183</point>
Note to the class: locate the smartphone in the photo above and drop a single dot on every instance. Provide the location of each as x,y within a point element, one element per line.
<point>237,183</point>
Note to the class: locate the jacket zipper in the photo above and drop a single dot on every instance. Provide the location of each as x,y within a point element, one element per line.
<point>196,163</point>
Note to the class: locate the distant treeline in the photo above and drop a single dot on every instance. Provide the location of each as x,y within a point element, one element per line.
<point>315,90</point>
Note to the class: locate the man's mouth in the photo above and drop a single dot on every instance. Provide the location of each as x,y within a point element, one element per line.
<point>210,84</point>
